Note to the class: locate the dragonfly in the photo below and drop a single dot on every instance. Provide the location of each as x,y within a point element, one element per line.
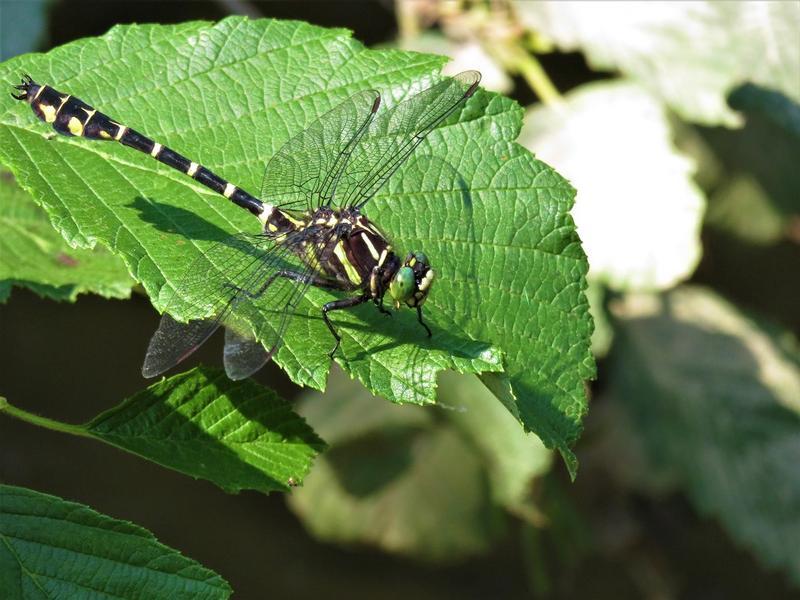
<point>313,228</point>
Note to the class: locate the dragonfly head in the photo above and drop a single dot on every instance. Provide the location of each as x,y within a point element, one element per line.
<point>412,282</point>
<point>27,89</point>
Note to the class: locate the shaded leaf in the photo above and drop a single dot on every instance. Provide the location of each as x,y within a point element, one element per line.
<point>22,26</point>
<point>758,197</point>
<point>34,255</point>
<point>716,399</point>
<point>52,548</point>
<point>742,206</point>
<point>771,105</point>
<point>424,482</point>
<point>493,220</point>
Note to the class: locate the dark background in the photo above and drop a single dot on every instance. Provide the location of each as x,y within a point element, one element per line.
<point>70,362</point>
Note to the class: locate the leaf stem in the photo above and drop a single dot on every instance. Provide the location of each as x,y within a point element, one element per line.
<point>536,77</point>
<point>22,415</point>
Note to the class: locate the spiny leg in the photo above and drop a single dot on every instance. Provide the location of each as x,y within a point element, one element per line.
<point>421,322</point>
<point>339,305</point>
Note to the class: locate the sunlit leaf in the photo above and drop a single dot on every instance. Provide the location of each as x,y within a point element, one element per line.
<point>236,434</point>
<point>239,435</point>
<point>492,219</point>
<point>34,255</point>
<point>690,54</point>
<point>638,210</point>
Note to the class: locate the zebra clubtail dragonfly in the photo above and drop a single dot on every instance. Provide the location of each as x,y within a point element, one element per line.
<point>310,207</point>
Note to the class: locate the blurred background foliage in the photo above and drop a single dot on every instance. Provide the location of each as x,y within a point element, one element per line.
<point>679,125</point>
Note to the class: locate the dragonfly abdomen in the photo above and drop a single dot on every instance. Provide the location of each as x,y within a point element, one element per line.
<point>72,117</point>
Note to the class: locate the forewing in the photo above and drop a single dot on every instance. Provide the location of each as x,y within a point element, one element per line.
<point>394,134</point>
<point>302,175</point>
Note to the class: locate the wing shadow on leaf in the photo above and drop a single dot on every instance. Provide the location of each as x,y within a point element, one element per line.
<point>174,220</point>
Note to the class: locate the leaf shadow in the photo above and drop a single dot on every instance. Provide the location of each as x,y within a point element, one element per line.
<point>369,464</point>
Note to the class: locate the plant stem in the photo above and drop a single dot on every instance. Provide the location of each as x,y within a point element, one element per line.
<point>537,78</point>
<point>22,415</point>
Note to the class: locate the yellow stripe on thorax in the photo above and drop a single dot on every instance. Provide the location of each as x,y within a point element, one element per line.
<point>349,269</point>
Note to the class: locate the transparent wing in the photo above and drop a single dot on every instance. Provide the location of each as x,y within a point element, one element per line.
<point>243,356</point>
<point>395,133</point>
<point>302,175</point>
<point>240,283</point>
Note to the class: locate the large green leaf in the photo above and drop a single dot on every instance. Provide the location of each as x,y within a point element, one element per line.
<point>34,255</point>
<point>428,482</point>
<point>493,220</point>
<point>238,435</point>
<point>716,398</point>
<point>52,548</point>
<point>691,54</point>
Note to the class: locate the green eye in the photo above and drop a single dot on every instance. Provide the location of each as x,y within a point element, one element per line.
<point>421,258</point>
<point>402,286</point>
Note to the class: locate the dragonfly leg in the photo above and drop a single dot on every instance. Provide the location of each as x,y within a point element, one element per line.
<point>421,322</point>
<point>339,305</point>
<point>381,308</point>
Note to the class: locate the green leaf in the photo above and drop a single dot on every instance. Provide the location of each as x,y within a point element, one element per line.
<point>52,548</point>
<point>238,435</point>
<point>756,198</point>
<point>716,399</point>
<point>690,54</point>
<point>427,482</point>
<point>638,209</point>
<point>33,254</point>
<point>493,220</point>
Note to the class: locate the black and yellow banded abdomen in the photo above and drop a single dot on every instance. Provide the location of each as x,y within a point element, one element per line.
<point>71,116</point>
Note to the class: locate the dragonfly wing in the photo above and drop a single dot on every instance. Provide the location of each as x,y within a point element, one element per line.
<point>395,133</point>
<point>242,356</point>
<point>173,341</point>
<point>216,288</point>
<point>303,174</point>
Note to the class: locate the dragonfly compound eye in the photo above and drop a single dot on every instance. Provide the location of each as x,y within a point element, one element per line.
<point>402,286</point>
